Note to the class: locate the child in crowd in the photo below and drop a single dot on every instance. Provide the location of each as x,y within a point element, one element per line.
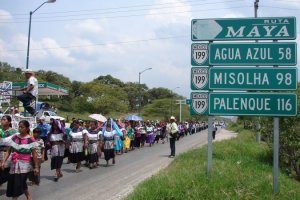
<point>40,151</point>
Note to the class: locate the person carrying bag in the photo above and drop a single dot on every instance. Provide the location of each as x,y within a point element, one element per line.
<point>173,132</point>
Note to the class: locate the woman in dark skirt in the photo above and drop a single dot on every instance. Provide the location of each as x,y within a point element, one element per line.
<point>92,141</point>
<point>137,135</point>
<point>77,135</point>
<point>22,146</point>
<point>57,138</point>
<point>5,134</point>
<point>108,140</point>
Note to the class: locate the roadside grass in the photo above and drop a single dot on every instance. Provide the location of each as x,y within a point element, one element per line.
<point>242,169</point>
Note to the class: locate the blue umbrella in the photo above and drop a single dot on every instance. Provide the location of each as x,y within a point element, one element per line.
<point>133,118</point>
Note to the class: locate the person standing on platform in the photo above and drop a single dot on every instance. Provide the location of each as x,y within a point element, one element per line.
<point>30,93</point>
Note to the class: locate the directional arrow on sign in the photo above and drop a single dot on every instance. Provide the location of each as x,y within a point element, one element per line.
<point>265,28</point>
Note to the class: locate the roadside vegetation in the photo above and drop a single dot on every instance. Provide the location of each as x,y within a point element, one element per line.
<point>242,169</point>
<point>105,94</point>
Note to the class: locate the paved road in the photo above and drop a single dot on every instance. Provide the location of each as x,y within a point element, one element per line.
<point>112,182</point>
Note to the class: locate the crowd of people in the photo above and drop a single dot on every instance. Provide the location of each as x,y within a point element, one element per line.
<point>23,151</point>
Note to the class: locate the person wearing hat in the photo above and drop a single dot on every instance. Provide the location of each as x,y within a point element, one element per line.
<point>30,92</point>
<point>173,132</point>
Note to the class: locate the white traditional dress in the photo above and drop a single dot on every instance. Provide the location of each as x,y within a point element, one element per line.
<point>76,145</point>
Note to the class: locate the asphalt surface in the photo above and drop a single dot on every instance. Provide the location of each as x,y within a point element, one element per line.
<point>115,181</point>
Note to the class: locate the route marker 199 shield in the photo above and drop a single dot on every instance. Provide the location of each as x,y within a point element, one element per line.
<point>199,104</point>
<point>200,54</point>
<point>199,78</point>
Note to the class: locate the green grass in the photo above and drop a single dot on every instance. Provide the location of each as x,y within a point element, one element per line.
<point>242,169</point>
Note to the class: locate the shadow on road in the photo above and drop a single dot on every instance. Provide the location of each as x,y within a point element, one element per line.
<point>51,178</point>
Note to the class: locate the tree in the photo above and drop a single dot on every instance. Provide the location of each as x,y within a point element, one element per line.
<point>109,80</point>
<point>159,93</point>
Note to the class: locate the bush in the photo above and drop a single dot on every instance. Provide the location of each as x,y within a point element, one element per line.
<point>289,140</point>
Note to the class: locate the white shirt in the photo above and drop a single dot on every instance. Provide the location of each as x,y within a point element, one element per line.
<point>34,82</point>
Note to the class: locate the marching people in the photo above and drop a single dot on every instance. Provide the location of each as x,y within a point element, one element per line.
<point>119,139</point>
<point>92,139</point>
<point>22,149</point>
<point>44,128</point>
<point>108,140</point>
<point>143,134</point>
<point>137,135</point>
<point>127,140</point>
<point>57,139</point>
<point>40,152</point>
<point>130,135</point>
<point>30,92</point>
<point>150,133</point>
<point>173,132</point>
<point>33,149</point>
<point>76,145</point>
<point>6,132</point>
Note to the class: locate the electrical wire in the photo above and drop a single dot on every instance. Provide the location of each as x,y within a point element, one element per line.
<point>134,15</point>
<point>125,11</point>
<point>104,44</point>
<point>111,8</point>
<point>283,8</point>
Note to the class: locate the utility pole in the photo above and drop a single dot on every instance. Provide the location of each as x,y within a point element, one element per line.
<point>172,93</point>
<point>258,136</point>
<point>180,102</point>
<point>140,92</point>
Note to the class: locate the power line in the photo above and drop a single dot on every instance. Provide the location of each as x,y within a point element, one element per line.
<point>111,8</point>
<point>296,1</point>
<point>135,15</point>
<point>103,44</point>
<point>280,8</point>
<point>124,11</point>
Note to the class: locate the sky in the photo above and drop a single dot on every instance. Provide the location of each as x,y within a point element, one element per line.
<point>85,39</point>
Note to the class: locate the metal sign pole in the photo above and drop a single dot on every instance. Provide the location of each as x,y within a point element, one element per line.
<point>258,136</point>
<point>209,142</point>
<point>276,155</point>
<point>275,151</point>
<point>209,146</point>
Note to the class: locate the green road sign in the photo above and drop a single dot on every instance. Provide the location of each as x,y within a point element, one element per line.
<point>243,78</point>
<point>236,104</point>
<point>264,28</point>
<point>188,101</point>
<point>253,54</point>
<point>239,54</point>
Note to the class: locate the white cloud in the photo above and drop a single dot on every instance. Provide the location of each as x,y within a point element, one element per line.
<point>178,12</point>
<point>234,15</point>
<point>5,15</point>
<point>54,50</point>
<point>88,26</point>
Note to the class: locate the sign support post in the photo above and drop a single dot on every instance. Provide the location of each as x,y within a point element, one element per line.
<point>258,136</point>
<point>209,142</point>
<point>209,146</point>
<point>276,155</point>
<point>275,151</point>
